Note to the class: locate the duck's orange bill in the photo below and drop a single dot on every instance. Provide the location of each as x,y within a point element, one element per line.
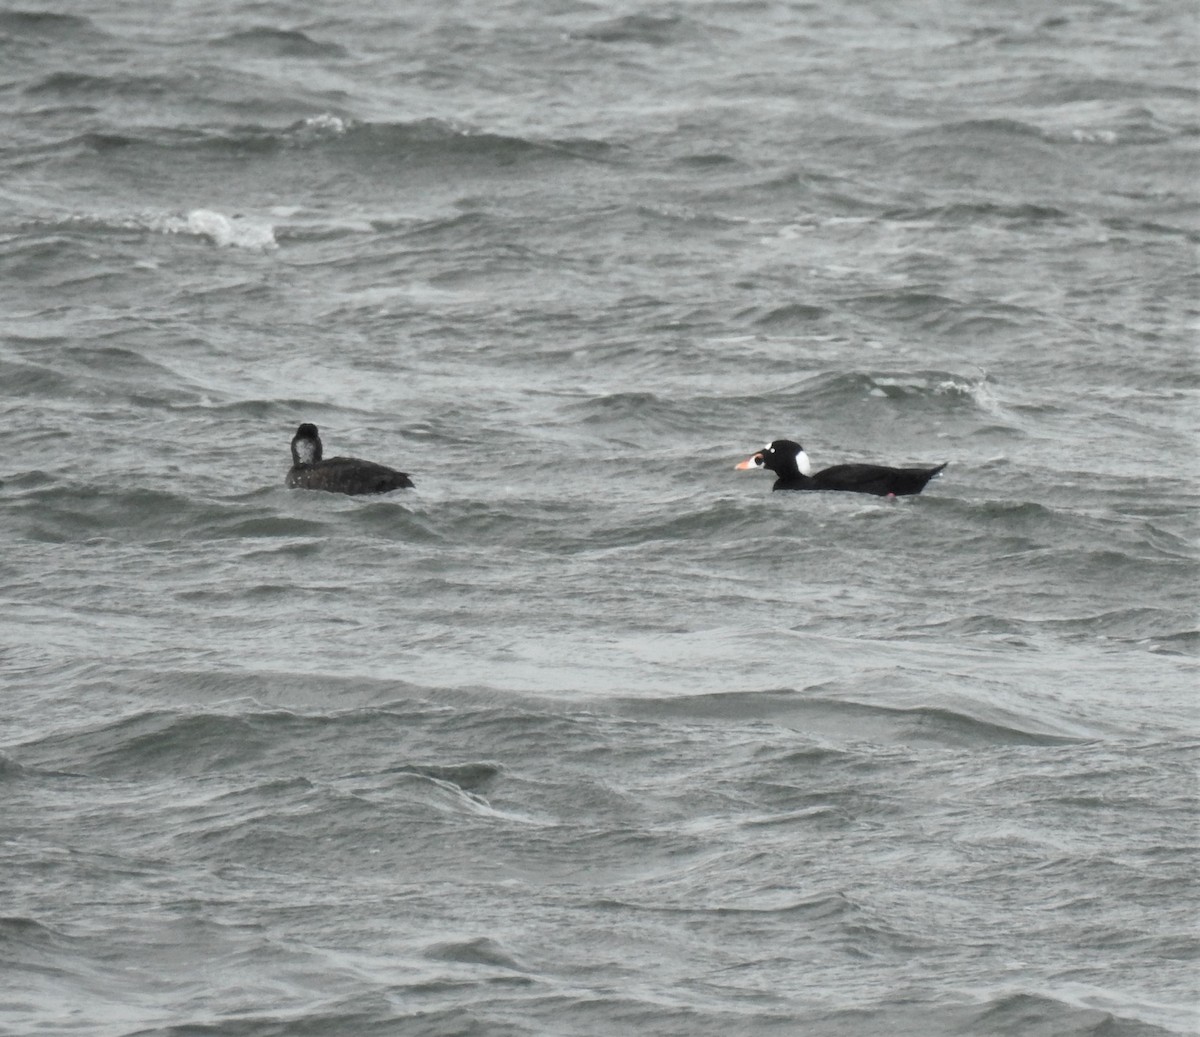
<point>750,462</point>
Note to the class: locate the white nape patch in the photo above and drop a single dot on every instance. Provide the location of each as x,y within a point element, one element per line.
<point>803,463</point>
<point>306,450</point>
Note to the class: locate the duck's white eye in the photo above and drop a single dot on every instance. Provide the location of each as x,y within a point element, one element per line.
<point>768,449</point>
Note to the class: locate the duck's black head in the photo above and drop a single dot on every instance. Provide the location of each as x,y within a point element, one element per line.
<point>783,457</point>
<point>306,445</point>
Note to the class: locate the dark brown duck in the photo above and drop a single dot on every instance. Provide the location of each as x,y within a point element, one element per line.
<point>352,475</point>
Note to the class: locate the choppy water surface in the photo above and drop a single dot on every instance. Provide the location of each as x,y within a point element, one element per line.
<point>591,734</point>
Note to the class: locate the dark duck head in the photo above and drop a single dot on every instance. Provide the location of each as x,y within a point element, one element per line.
<point>787,460</point>
<point>790,464</point>
<point>306,445</point>
<point>310,471</point>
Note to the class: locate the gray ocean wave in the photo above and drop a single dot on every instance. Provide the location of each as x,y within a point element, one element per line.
<point>590,733</point>
<point>339,140</point>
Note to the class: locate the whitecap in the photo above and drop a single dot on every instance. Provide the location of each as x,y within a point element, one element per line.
<point>227,232</point>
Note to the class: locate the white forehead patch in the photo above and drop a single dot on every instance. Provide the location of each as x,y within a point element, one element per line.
<point>305,450</point>
<point>803,463</point>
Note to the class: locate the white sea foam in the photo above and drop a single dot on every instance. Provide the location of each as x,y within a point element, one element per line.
<point>326,123</point>
<point>231,232</point>
<point>223,231</point>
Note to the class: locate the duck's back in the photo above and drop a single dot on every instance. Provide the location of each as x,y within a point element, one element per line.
<point>349,475</point>
<point>872,478</point>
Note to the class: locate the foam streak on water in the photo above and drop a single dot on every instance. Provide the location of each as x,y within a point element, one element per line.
<point>589,733</point>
